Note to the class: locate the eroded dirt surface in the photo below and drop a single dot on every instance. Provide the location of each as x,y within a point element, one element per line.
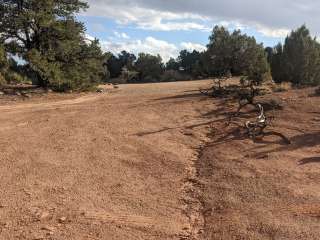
<point>138,163</point>
<point>265,189</point>
<point>115,165</point>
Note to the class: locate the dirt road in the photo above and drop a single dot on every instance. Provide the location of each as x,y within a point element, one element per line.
<point>157,161</point>
<point>103,166</point>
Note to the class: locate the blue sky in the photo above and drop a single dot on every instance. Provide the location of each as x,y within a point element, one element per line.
<point>166,27</point>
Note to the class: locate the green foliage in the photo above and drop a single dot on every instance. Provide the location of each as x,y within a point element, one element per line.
<point>237,54</point>
<point>172,64</point>
<point>190,62</point>
<point>150,67</point>
<point>220,54</point>
<point>115,64</point>
<point>298,60</point>
<point>277,63</point>
<point>255,64</point>
<point>8,73</point>
<point>3,65</point>
<point>47,36</point>
<point>127,60</point>
<point>301,57</point>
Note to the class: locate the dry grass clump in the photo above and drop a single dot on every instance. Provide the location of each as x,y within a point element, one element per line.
<point>281,87</point>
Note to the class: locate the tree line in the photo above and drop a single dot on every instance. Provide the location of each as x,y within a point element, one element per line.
<point>53,52</point>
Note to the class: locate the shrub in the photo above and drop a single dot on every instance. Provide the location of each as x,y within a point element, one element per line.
<point>2,79</point>
<point>173,76</point>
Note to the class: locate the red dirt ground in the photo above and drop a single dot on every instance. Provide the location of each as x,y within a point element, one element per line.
<point>265,189</point>
<point>116,165</point>
<point>157,161</point>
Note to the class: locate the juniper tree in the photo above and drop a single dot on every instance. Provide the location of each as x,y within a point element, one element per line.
<point>172,64</point>
<point>256,68</point>
<point>47,36</point>
<point>149,67</point>
<point>220,53</point>
<point>277,64</point>
<point>188,61</point>
<point>301,57</point>
<point>238,54</point>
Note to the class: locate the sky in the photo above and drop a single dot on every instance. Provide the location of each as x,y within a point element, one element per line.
<point>166,27</point>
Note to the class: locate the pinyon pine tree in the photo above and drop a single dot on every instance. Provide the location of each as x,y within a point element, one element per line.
<point>47,36</point>
<point>301,58</point>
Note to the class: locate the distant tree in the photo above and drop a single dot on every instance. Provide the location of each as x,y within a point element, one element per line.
<point>127,59</point>
<point>256,66</point>
<point>150,67</point>
<point>220,52</point>
<point>172,64</point>
<point>198,68</point>
<point>188,60</point>
<point>269,54</point>
<point>47,36</point>
<point>114,65</point>
<point>235,54</point>
<point>277,63</point>
<point>301,58</point>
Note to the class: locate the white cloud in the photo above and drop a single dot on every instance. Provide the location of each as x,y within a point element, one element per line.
<point>145,18</point>
<point>266,31</point>
<point>121,35</point>
<point>271,18</point>
<point>270,32</point>
<point>193,46</point>
<point>149,45</point>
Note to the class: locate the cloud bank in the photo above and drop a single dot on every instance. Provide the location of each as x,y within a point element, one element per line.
<point>272,18</point>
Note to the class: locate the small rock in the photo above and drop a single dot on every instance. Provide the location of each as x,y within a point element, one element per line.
<point>2,93</point>
<point>4,224</point>
<point>99,91</point>
<point>62,220</point>
<point>26,192</point>
<point>48,228</point>
<point>44,215</point>
<point>27,95</point>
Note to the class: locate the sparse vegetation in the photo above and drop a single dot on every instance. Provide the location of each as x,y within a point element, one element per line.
<point>47,37</point>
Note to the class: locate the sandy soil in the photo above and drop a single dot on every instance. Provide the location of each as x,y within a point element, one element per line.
<point>157,161</point>
<point>265,189</point>
<point>116,165</point>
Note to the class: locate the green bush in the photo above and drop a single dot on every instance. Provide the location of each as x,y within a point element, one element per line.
<point>2,80</point>
<point>16,78</point>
